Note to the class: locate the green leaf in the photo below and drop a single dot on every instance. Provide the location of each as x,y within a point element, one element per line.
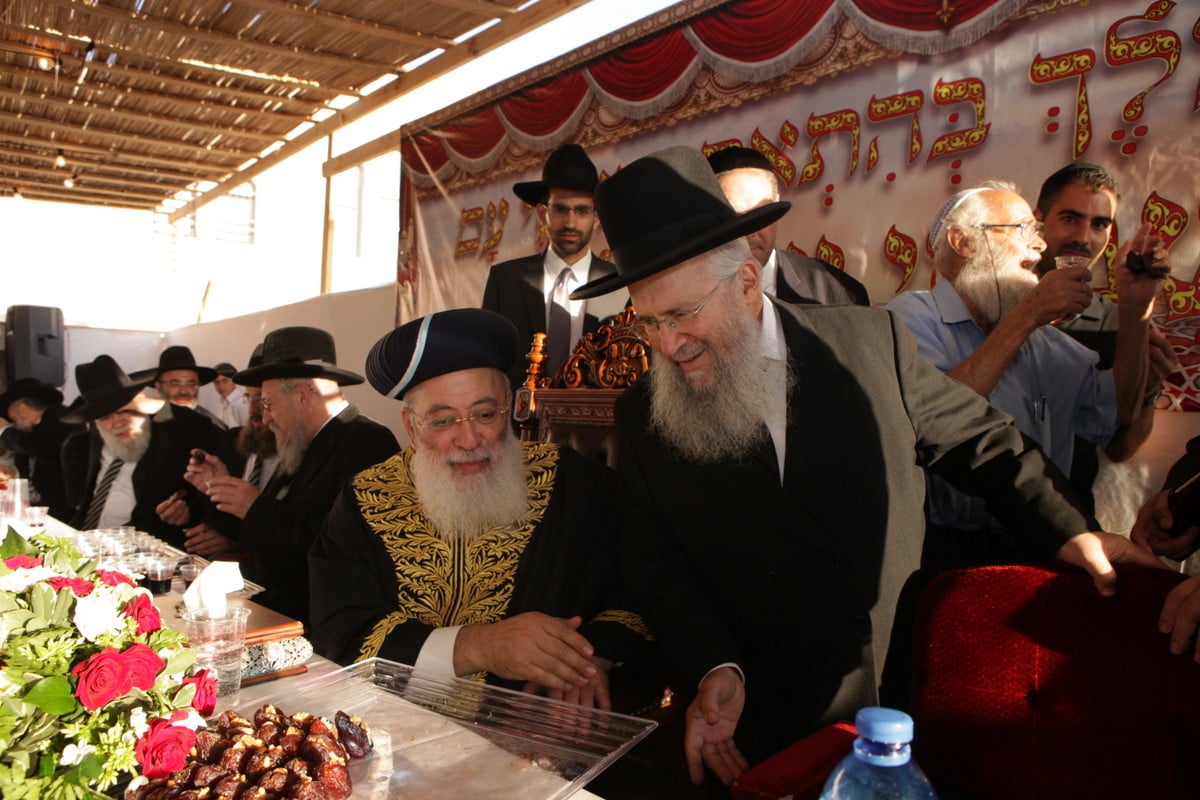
<point>52,695</point>
<point>14,544</point>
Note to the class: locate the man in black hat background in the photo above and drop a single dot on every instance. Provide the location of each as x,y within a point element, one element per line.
<point>322,441</point>
<point>533,292</point>
<point>772,482</point>
<point>470,552</point>
<point>749,181</point>
<point>36,436</point>
<point>178,379</point>
<point>129,466</point>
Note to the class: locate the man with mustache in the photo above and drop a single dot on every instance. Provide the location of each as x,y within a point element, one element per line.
<point>1077,206</point>
<point>988,324</point>
<point>322,441</point>
<point>471,553</point>
<point>532,291</point>
<point>772,471</point>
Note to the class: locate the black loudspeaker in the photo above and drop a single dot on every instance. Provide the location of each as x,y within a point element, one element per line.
<point>33,344</point>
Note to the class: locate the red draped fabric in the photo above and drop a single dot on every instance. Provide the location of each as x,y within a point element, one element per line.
<point>756,30</point>
<point>475,135</point>
<point>922,15</point>
<point>749,32</point>
<point>543,109</point>
<point>644,70</point>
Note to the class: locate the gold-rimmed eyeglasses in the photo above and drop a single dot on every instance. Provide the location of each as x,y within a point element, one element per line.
<point>678,321</point>
<point>441,423</point>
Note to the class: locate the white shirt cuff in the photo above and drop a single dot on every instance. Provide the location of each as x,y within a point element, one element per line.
<point>437,654</point>
<point>729,664</point>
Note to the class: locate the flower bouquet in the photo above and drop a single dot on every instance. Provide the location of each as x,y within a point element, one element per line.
<point>92,688</point>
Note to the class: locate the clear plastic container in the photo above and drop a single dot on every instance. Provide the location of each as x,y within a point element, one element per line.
<point>880,766</point>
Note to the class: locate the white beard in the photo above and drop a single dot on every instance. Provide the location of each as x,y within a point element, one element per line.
<point>128,450</point>
<point>463,506</point>
<point>724,420</point>
<point>993,293</point>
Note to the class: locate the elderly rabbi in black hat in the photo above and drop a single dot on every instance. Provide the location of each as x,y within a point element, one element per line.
<point>803,431</point>
<point>517,537</point>
<point>129,468</point>
<point>533,291</point>
<point>322,441</point>
<point>36,436</point>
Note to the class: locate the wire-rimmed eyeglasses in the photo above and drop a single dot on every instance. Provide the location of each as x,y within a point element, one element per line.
<point>679,320</point>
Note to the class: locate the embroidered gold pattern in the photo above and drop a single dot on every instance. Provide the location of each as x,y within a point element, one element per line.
<point>630,620</point>
<point>443,583</point>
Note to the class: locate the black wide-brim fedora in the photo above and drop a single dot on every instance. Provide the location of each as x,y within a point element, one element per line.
<point>104,388</point>
<point>568,167</point>
<point>28,389</point>
<point>297,352</point>
<point>664,209</point>
<point>177,356</point>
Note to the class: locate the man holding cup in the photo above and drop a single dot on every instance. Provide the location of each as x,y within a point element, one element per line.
<point>989,323</point>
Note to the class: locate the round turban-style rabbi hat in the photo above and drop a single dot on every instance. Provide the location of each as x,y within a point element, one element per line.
<point>440,343</point>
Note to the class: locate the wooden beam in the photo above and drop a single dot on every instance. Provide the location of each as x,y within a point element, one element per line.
<point>46,86</point>
<point>65,197</point>
<point>137,116</point>
<point>501,33</point>
<point>94,178</point>
<point>118,158</point>
<point>343,22</point>
<point>480,8</point>
<point>81,187</point>
<point>81,9</point>
<point>361,154</point>
<point>125,139</point>
<point>75,163</point>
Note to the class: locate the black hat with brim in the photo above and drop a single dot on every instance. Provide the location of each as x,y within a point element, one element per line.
<point>568,167</point>
<point>438,344</point>
<point>175,357</point>
<point>104,388</point>
<point>664,209</point>
<point>297,352</point>
<point>28,389</point>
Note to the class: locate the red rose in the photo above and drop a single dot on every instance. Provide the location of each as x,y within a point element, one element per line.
<point>114,578</point>
<point>22,562</point>
<point>205,699</point>
<point>163,748</point>
<point>143,664</point>
<point>103,677</point>
<point>141,609</point>
<point>81,587</point>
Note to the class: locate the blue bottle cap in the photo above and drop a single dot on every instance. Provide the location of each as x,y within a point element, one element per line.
<point>886,725</point>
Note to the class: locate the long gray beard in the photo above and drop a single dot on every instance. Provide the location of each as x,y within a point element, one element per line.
<point>128,450</point>
<point>725,420</point>
<point>463,506</point>
<point>291,453</point>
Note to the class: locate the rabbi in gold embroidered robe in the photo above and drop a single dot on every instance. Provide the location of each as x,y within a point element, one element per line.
<point>470,553</point>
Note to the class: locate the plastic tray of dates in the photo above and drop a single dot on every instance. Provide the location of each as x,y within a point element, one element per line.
<point>272,755</point>
<point>436,736</point>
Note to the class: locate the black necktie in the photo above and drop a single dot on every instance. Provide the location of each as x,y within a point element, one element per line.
<point>558,333</point>
<point>101,494</point>
<point>256,472</point>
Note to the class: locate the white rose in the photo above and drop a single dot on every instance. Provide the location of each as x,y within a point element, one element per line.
<point>73,753</point>
<point>96,615</point>
<point>19,580</point>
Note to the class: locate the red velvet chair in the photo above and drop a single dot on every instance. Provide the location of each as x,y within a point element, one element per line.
<point>1028,684</point>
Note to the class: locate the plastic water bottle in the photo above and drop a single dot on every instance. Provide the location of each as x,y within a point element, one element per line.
<point>881,766</point>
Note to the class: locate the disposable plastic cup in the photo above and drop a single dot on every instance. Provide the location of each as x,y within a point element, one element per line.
<point>219,642</point>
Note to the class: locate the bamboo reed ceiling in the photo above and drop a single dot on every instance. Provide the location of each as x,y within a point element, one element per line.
<point>145,98</point>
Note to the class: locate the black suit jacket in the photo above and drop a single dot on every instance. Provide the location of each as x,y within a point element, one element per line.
<point>280,531</point>
<point>797,583</point>
<point>514,289</point>
<point>157,475</point>
<point>42,449</point>
<point>801,279</point>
